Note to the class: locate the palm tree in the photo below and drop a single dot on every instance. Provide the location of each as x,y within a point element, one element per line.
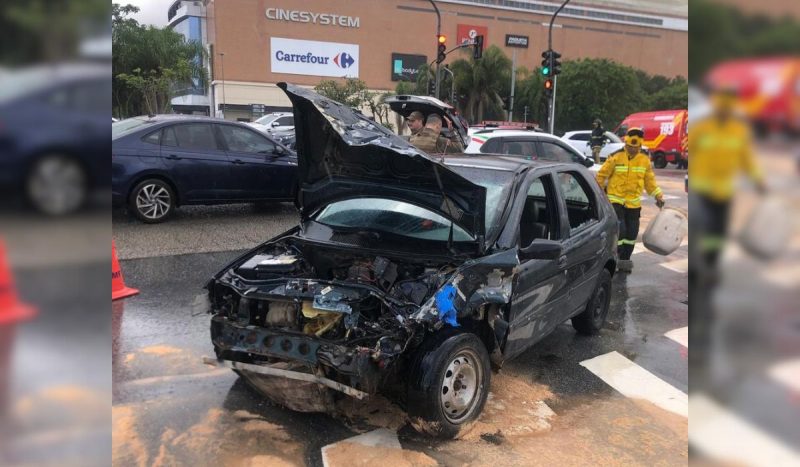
<point>483,83</point>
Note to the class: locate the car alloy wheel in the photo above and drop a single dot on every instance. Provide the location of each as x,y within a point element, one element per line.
<point>57,185</point>
<point>152,201</point>
<point>460,386</point>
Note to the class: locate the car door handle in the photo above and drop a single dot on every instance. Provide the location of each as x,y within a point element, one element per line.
<point>173,157</point>
<point>562,261</point>
<point>239,162</point>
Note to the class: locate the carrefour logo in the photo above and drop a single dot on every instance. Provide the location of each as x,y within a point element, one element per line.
<point>302,58</point>
<point>343,60</point>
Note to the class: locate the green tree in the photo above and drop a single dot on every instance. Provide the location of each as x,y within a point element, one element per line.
<point>483,83</point>
<point>150,65</point>
<point>354,93</point>
<point>591,88</point>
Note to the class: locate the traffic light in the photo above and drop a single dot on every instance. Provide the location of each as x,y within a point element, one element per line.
<point>555,63</point>
<point>442,40</point>
<point>548,87</point>
<point>431,86</point>
<point>546,62</point>
<point>478,51</point>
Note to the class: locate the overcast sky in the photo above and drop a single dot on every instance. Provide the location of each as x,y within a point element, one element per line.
<point>150,11</point>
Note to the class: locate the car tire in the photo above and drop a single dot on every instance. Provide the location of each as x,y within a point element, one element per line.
<point>592,319</point>
<point>449,383</point>
<point>152,201</point>
<point>659,161</point>
<point>57,185</point>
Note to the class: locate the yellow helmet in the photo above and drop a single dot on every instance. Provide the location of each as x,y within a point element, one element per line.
<point>634,137</point>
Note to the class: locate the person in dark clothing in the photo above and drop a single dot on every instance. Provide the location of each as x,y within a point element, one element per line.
<point>598,139</point>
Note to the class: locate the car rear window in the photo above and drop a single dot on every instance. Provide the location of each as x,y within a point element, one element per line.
<point>128,126</point>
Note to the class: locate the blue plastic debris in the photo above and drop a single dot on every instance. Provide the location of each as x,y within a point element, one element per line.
<point>444,303</point>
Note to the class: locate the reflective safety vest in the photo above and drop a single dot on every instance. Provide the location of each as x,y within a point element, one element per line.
<point>720,152</point>
<point>626,177</point>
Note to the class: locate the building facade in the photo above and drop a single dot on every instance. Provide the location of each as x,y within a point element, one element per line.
<point>254,44</point>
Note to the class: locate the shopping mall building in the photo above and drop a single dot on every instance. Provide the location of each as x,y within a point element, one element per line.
<point>254,44</point>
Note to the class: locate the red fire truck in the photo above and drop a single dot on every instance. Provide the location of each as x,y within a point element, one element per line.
<point>664,134</point>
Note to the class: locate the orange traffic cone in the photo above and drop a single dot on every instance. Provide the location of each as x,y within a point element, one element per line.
<point>118,288</point>
<point>11,312</point>
<point>11,309</point>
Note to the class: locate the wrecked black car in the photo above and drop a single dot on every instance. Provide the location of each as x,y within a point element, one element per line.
<point>409,276</point>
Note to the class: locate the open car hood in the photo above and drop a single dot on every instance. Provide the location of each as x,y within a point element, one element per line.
<point>342,154</point>
<point>405,104</point>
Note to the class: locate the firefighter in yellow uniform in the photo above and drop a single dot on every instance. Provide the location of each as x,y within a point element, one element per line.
<point>624,174</point>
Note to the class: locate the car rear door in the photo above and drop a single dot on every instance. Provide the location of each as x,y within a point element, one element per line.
<point>260,170</point>
<point>541,289</point>
<point>196,162</point>
<point>586,239</point>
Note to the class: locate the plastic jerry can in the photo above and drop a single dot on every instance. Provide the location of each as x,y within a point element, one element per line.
<point>665,233</point>
<point>768,229</point>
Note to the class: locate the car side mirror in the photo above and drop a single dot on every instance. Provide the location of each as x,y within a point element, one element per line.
<point>541,248</point>
<point>275,123</point>
<point>589,163</point>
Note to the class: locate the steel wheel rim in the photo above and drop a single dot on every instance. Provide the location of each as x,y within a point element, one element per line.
<point>460,386</point>
<point>57,185</point>
<point>600,304</point>
<point>153,201</point>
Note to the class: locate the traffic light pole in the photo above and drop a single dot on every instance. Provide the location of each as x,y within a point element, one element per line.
<point>551,122</point>
<point>438,33</point>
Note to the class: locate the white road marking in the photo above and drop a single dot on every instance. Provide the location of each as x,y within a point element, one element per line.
<point>381,437</point>
<point>723,436</point>
<point>680,335</point>
<point>634,381</point>
<point>787,276</point>
<point>679,265</point>
<point>787,373</point>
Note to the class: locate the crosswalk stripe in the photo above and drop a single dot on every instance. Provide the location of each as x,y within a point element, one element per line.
<point>634,381</point>
<point>723,436</point>
<point>680,335</point>
<point>679,265</point>
<point>787,373</point>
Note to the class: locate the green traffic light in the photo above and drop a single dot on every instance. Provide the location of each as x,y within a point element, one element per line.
<point>546,71</point>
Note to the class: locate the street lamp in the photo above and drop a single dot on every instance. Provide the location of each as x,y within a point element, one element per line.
<point>222,66</point>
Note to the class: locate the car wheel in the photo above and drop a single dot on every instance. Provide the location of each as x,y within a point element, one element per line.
<point>152,201</point>
<point>449,384</point>
<point>57,185</point>
<point>591,320</point>
<point>659,161</point>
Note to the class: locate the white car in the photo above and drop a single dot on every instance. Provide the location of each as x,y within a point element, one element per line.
<point>276,121</point>
<point>528,144</point>
<point>580,141</point>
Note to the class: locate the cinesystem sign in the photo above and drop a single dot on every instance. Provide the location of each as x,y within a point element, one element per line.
<point>313,58</point>
<point>324,19</point>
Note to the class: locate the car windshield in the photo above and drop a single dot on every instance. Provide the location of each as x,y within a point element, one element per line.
<point>395,217</point>
<point>129,125</point>
<point>497,184</point>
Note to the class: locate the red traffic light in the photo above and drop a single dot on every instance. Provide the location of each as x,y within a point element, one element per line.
<point>548,84</point>
<point>441,38</point>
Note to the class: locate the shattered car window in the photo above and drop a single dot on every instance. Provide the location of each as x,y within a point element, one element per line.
<point>497,184</point>
<point>395,217</point>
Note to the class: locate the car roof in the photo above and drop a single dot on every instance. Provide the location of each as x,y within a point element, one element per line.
<point>499,133</point>
<point>185,118</point>
<point>494,162</point>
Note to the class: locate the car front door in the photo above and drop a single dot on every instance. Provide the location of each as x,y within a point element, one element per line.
<point>196,161</point>
<point>586,240</point>
<point>261,169</point>
<point>541,289</point>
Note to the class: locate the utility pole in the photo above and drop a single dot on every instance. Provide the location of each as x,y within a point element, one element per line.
<point>222,65</point>
<point>551,122</point>
<point>513,82</point>
<point>438,34</point>
<point>525,116</point>
<point>452,84</point>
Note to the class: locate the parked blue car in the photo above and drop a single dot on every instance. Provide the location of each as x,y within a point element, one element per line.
<point>54,132</point>
<point>161,162</point>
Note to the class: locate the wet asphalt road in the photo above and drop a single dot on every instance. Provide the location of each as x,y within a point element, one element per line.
<point>170,408</point>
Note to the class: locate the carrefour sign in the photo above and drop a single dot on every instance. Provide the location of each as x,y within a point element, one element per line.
<point>299,57</point>
<point>325,19</point>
